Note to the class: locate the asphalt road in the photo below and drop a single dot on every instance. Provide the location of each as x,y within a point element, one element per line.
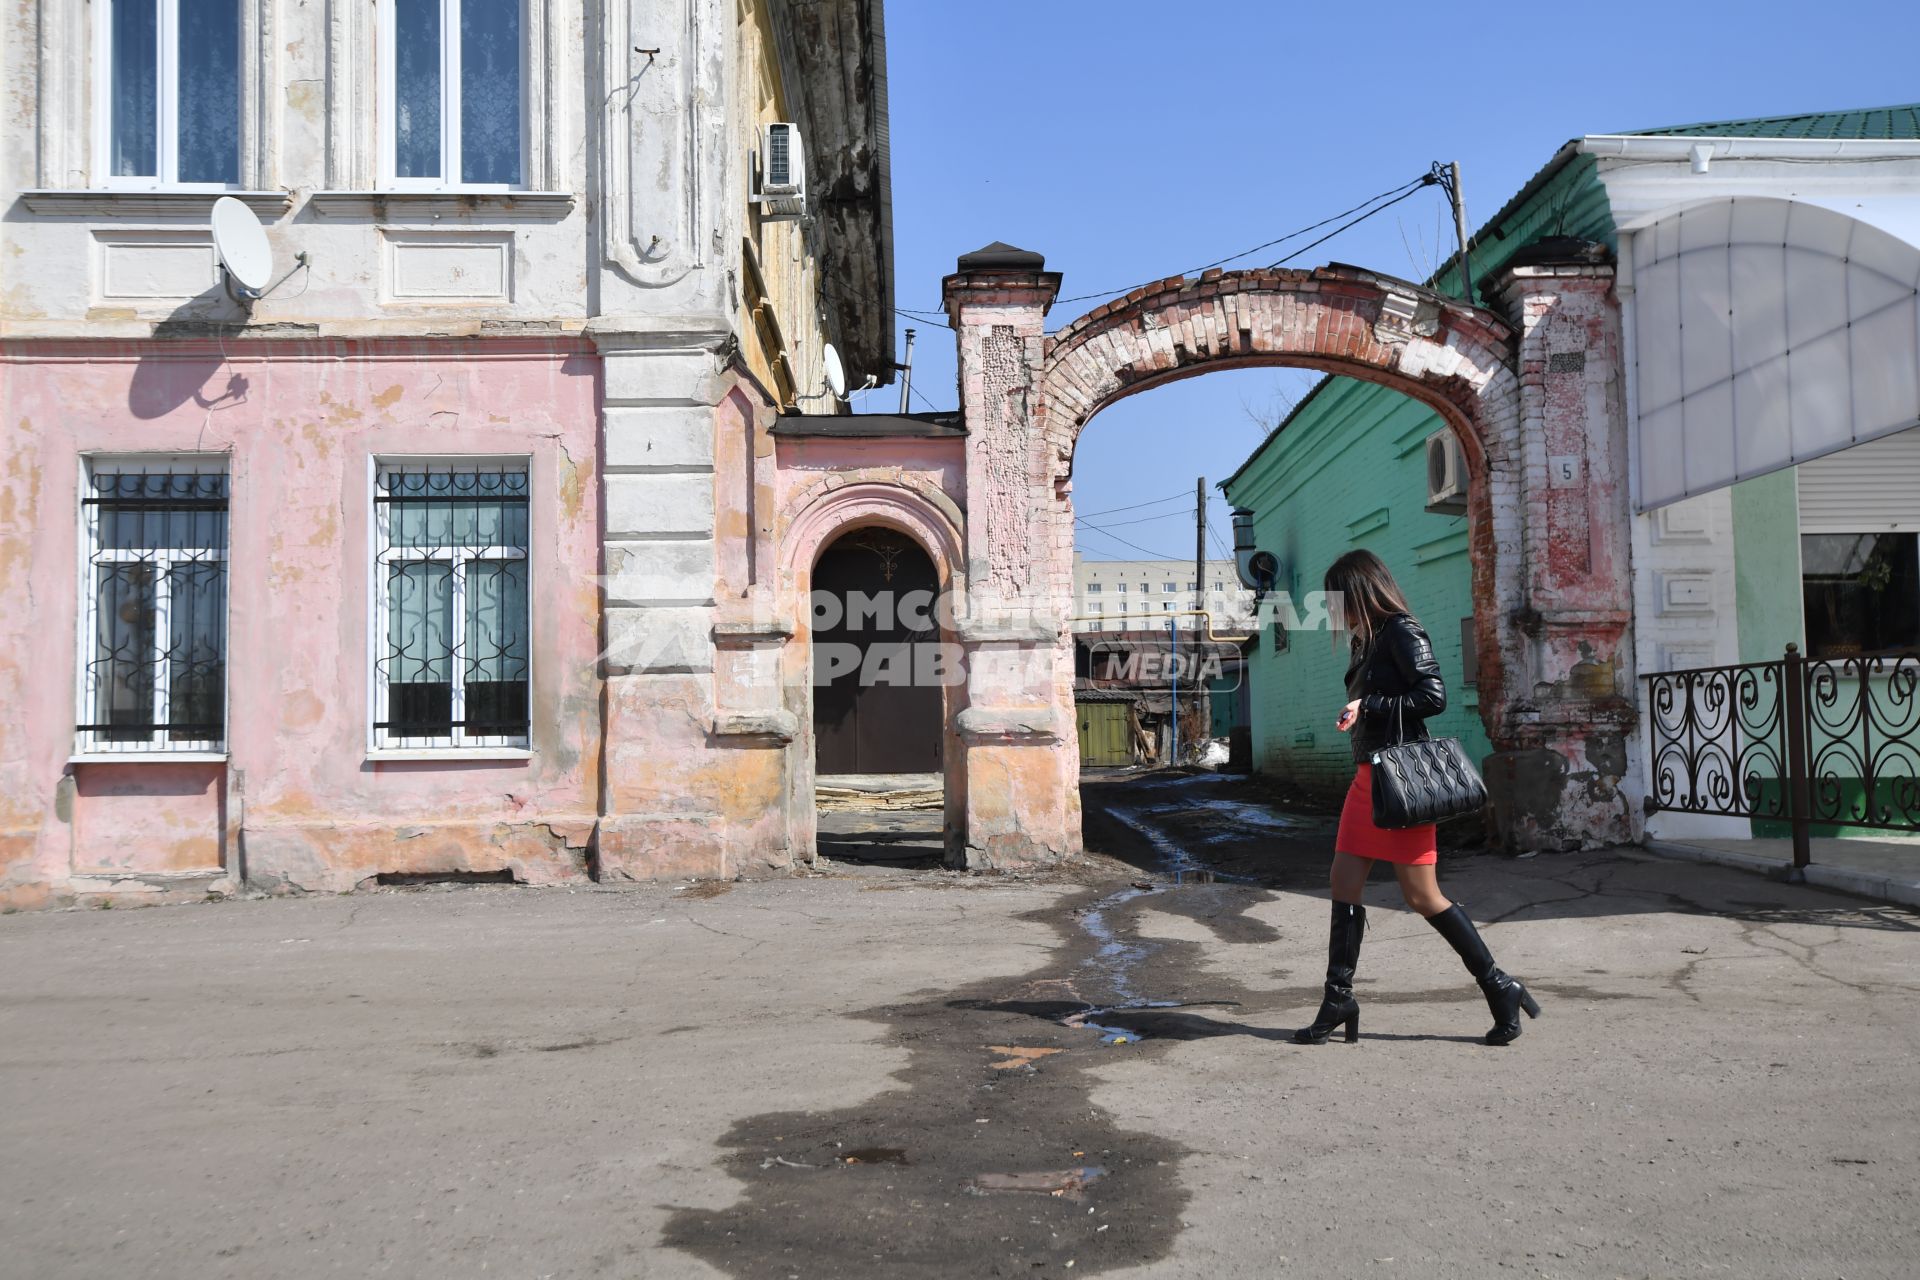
<point>900,1072</point>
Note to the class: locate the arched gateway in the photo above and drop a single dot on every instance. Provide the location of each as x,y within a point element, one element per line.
<point>1532,398</point>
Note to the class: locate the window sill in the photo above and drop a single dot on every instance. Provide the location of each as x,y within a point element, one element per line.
<point>536,206</point>
<point>148,757</point>
<point>447,754</point>
<point>116,202</point>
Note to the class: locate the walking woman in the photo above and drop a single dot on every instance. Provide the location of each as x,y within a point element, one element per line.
<point>1393,685</point>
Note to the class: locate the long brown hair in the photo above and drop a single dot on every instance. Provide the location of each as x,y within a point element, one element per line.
<point>1367,592</point>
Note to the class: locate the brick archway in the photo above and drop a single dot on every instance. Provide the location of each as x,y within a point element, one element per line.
<point>1457,360</point>
<point>1534,398</point>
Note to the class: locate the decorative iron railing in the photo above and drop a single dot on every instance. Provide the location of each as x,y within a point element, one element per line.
<point>1804,741</point>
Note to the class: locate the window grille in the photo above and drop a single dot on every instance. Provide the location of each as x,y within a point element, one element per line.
<point>451,608</point>
<point>154,647</point>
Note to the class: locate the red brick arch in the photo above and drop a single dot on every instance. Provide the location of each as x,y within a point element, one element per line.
<point>1458,360</point>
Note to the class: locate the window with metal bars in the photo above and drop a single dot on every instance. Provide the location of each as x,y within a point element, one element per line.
<point>451,617</point>
<point>153,661</point>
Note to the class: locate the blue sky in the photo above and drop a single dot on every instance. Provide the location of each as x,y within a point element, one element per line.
<point>1128,140</point>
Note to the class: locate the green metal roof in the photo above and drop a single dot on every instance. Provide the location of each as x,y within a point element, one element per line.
<point>1863,123</point>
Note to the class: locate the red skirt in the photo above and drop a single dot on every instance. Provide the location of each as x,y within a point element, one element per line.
<point>1414,846</point>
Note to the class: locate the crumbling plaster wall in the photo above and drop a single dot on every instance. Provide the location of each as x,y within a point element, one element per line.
<point>299,803</point>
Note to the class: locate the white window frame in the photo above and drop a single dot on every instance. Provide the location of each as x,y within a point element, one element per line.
<point>387,111</point>
<point>89,744</point>
<point>166,154</point>
<point>460,743</point>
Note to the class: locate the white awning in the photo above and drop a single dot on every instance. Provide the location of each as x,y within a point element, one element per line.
<point>1768,332</point>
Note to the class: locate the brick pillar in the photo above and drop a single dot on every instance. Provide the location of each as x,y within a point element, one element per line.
<point>1570,710</point>
<point>1022,755</point>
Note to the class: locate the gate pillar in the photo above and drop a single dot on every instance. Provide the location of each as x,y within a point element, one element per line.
<point>1566,731</point>
<point>1022,768</point>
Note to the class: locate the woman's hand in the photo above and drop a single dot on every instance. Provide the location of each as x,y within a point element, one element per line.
<point>1348,714</point>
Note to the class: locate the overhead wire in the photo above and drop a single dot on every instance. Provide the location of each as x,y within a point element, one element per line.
<point>936,316</point>
<point>1104,532</point>
<point>1425,180</point>
<point>1154,502</point>
<point>1111,524</point>
<point>1400,192</point>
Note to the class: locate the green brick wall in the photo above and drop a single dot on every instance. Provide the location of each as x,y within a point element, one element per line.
<point>1351,473</point>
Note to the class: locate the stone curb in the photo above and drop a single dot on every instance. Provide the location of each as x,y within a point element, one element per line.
<point>1863,884</point>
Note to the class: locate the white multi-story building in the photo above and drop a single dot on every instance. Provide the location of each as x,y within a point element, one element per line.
<point>1137,595</point>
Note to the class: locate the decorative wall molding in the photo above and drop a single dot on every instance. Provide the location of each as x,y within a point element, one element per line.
<point>536,206</point>
<point>651,122</point>
<point>95,203</point>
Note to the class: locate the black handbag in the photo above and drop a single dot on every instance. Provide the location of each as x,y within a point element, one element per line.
<point>1415,783</point>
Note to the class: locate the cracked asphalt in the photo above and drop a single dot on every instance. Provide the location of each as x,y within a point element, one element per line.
<point>890,1071</point>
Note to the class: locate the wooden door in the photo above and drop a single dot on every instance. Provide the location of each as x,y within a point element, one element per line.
<point>1104,739</point>
<point>882,714</point>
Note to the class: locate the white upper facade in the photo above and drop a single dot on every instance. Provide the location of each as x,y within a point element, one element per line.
<point>423,166</point>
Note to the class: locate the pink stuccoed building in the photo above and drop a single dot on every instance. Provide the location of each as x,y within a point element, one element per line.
<point>415,564</point>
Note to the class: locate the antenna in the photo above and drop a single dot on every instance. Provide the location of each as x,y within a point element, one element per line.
<point>241,245</point>
<point>836,372</point>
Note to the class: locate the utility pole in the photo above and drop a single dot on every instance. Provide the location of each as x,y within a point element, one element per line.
<point>1199,544</point>
<point>1460,229</point>
<point>1199,591</point>
<point>906,373</point>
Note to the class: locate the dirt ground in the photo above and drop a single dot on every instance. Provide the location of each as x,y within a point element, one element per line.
<point>893,1070</point>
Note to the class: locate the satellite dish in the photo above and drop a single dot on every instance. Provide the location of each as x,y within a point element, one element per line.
<point>241,244</point>
<point>836,373</point>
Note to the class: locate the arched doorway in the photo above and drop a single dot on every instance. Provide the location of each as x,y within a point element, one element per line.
<point>877,700</point>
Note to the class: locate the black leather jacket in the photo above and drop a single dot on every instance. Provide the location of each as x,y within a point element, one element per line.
<point>1398,684</point>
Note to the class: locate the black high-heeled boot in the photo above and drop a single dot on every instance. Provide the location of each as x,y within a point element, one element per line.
<point>1506,996</point>
<point>1343,957</point>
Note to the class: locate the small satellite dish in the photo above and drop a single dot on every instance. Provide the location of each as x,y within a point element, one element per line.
<point>836,373</point>
<point>241,244</point>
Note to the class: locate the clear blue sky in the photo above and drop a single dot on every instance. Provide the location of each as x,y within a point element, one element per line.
<point>1131,139</point>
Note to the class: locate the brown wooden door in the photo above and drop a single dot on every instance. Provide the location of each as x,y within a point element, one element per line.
<point>877,715</point>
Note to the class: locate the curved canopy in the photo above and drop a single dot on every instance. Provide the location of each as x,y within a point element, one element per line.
<point>1766,333</point>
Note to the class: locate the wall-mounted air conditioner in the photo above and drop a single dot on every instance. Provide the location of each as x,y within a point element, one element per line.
<point>1446,475</point>
<point>780,171</point>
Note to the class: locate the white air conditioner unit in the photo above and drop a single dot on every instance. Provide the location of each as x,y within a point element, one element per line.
<point>1446,475</point>
<point>780,171</point>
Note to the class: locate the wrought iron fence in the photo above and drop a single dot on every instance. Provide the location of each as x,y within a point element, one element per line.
<point>1803,741</point>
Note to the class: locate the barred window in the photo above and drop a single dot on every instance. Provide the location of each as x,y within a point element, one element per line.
<point>154,640</point>
<point>451,611</point>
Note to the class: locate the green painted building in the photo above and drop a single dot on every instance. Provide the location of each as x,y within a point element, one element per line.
<point>1719,578</point>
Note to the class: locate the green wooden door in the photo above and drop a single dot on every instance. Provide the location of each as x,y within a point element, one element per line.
<point>1103,733</point>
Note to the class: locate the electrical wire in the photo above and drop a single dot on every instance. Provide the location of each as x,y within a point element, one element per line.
<point>934,316</point>
<point>1136,546</point>
<point>1114,524</point>
<point>1426,180</point>
<point>1400,192</point>
<point>1219,544</point>
<point>1154,502</point>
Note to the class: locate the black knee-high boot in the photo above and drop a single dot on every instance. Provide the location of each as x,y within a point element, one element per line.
<point>1343,957</point>
<point>1506,996</point>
